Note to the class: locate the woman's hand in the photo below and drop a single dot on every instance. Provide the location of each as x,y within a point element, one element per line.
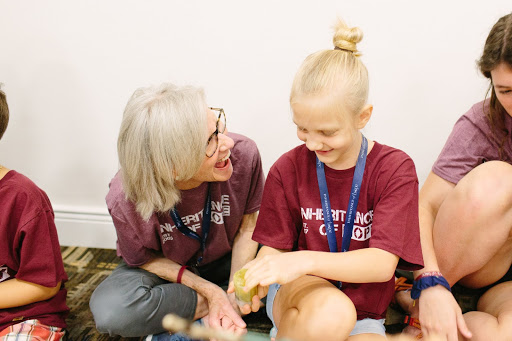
<point>220,309</point>
<point>278,268</point>
<point>226,324</point>
<point>440,314</point>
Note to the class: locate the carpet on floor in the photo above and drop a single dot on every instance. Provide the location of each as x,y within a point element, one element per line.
<point>88,267</point>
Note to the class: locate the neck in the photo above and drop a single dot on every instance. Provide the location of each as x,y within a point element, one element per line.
<point>188,184</point>
<point>3,171</point>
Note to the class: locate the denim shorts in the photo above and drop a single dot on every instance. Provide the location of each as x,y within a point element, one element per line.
<point>363,326</point>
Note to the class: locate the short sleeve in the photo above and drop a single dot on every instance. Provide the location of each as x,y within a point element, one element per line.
<point>39,251</point>
<point>257,183</point>
<point>275,226</point>
<point>130,227</point>
<point>467,146</point>
<point>395,226</point>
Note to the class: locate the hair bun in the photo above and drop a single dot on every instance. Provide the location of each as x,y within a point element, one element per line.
<point>346,38</point>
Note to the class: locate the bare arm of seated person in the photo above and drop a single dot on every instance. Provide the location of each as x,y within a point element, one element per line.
<point>244,248</point>
<point>211,299</point>
<point>358,266</point>
<point>17,293</point>
<point>439,312</point>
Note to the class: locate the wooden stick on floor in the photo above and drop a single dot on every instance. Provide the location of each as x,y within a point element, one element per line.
<point>176,324</point>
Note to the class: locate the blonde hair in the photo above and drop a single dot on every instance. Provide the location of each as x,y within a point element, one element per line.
<point>338,73</point>
<point>162,135</point>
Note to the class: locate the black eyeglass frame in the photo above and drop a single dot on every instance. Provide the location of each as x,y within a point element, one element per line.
<point>215,134</point>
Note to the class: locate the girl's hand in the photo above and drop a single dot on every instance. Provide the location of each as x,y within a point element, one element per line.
<point>246,308</point>
<point>278,268</point>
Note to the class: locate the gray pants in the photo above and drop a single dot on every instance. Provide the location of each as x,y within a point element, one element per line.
<point>132,302</point>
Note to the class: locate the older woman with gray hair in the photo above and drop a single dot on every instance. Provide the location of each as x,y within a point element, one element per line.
<point>184,205</point>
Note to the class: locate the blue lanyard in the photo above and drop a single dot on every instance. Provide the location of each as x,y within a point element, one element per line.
<point>352,203</point>
<point>205,225</point>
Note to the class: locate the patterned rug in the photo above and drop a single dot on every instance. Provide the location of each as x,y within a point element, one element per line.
<point>88,267</point>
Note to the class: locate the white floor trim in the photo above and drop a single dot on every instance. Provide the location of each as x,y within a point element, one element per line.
<point>88,228</point>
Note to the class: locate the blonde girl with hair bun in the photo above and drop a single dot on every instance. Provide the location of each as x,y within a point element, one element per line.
<point>325,279</point>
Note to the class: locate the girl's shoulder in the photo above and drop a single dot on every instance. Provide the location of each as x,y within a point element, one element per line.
<point>296,158</point>
<point>18,188</point>
<point>384,159</point>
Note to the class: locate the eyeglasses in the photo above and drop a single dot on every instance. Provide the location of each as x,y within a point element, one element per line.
<point>220,127</point>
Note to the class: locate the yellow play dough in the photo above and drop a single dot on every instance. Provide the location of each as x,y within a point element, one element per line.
<point>239,280</point>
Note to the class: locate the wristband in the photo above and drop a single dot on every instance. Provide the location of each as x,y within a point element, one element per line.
<point>428,274</point>
<point>180,273</point>
<point>427,280</point>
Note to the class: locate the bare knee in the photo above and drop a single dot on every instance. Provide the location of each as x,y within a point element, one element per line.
<point>488,185</point>
<point>331,318</point>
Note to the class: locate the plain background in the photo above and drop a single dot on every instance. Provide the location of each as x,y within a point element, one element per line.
<point>69,67</point>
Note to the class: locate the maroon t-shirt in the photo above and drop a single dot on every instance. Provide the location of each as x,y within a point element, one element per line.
<point>138,241</point>
<point>471,144</point>
<point>387,214</point>
<point>30,250</point>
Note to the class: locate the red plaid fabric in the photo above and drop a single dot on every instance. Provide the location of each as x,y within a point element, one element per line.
<point>31,330</point>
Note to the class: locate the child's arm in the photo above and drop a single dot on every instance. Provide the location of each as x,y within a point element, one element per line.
<point>358,266</point>
<point>17,293</point>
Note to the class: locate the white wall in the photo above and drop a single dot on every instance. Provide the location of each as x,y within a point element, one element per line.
<point>68,68</point>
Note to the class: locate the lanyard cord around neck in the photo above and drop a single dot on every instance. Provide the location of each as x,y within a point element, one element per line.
<point>205,225</point>
<point>352,202</point>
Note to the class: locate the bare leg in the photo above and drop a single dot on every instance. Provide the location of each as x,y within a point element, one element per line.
<point>493,320</point>
<point>311,308</point>
<point>472,230</point>
<point>367,337</point>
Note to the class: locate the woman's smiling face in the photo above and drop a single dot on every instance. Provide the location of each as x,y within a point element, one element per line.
<point>502,82</point>
<point>218,167</point>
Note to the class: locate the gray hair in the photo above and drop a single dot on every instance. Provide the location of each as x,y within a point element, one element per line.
<point>163,135</point>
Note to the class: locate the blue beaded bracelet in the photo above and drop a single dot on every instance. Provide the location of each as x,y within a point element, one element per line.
<point>424,282</point>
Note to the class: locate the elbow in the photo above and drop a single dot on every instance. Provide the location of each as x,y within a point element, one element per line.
<point>47,292</point>
<point>386,264</point>
<point>385,274</point>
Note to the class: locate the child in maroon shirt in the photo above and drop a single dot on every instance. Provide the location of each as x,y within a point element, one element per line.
<point>309,200</point>
<point>32,295</point>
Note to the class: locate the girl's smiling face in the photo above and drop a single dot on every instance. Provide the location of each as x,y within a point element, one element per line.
<point>333,135</point>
